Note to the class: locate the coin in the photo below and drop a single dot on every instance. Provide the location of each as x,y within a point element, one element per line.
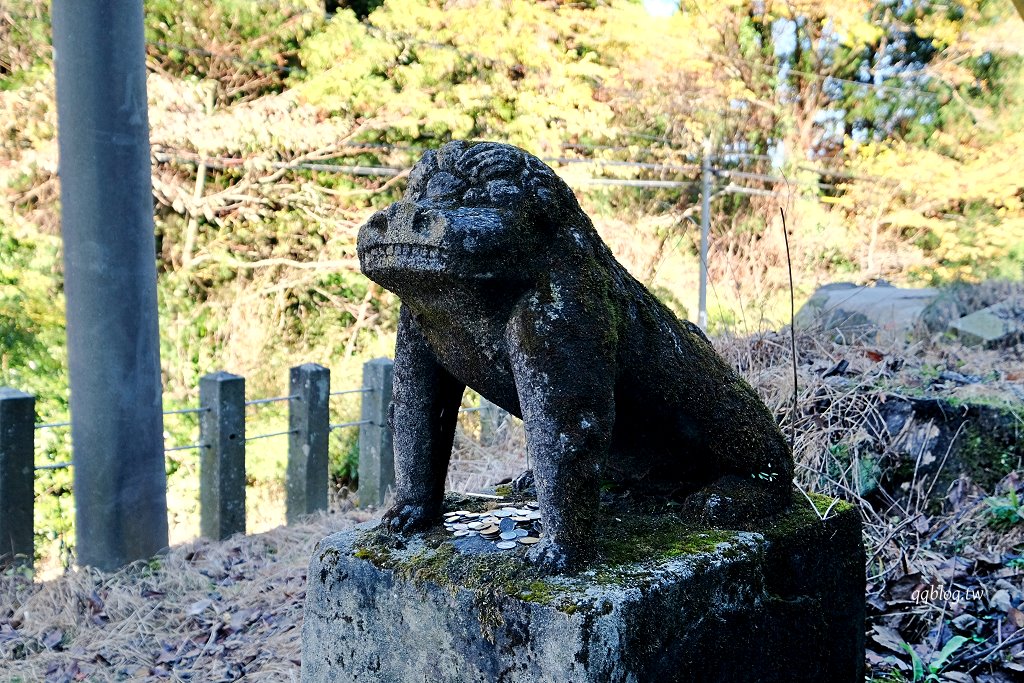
<point>506,545</point>
<point>529,540</point>
<point>533,514</point>
<point>501,513</point>
<point>532,504</point>
<point>464,532</point>
<point>521,532</point>
<point>490,519</point>
<point>476,525</point>
<point>508,536</point>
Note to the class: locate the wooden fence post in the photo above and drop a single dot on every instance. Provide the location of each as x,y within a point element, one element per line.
<point>222,459</point>
<point>376,453</point>
<point>17,476</point>
<point>309,424</point>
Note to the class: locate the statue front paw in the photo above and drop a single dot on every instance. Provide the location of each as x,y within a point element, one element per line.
<point>405,518</point>
<point>552,557</point>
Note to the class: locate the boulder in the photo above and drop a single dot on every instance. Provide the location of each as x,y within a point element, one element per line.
<point>995,326</point>
<point>880,314</point>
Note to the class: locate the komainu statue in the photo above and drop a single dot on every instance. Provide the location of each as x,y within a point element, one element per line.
<point>507,288</point>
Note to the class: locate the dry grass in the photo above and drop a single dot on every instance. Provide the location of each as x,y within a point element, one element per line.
<point>844,409</point>
<point>474,467</point>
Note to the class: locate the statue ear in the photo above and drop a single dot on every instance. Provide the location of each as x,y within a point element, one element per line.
<point>450,155</point>
<point>421,173</point>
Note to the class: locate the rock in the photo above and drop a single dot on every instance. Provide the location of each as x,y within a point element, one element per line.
<point>880,314</point>
<point>666,602</point>
<point>939,440</point>
<point>996,326</point>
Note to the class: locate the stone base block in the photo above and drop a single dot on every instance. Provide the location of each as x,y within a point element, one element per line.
<point>666,602</point>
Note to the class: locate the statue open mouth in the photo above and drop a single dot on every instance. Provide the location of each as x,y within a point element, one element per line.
<point>405,257</point>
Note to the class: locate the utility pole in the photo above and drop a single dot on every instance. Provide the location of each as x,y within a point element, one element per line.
<point>705,230</point>
<point>110,281</point>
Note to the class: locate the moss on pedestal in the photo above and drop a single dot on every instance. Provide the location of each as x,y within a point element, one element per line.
<point>634,539</point>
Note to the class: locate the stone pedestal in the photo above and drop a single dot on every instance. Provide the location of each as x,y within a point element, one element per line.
<point>666,602</point>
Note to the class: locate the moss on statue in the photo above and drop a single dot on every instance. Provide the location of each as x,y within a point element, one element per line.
<point>633,541</point>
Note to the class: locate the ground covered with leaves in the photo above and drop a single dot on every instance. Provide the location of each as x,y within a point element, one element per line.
<point>203,612</point>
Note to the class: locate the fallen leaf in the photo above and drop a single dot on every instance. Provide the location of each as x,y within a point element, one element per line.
<point>198,607</point>
<point>52,638</point>
<point>889,638</point>
<point>957,677</point>
<point>242,618</point>
<point>1000,600</point>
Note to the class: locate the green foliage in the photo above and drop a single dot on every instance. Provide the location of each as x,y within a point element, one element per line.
<point>25,37</point>
<point>930,672</point>
<point>32,359</point>
<point>1005,512</point>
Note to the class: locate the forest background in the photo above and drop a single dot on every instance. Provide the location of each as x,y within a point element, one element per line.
<point>888,132</point>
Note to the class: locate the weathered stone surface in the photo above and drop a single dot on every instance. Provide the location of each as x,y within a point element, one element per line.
<point>851,312</point>
<point>998,325</point>
<point>666,602</point>
<point>507,288</point>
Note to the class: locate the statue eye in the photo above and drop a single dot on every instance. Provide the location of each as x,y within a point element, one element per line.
<point>442,184</point>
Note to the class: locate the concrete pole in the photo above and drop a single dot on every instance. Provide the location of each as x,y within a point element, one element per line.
<point>17,477</point>
<point>309,424</point>
<point>222,458</point>
<point>705,230</point>
<point>376,443</point>
<point>110,281</point>
<point>491,418</point>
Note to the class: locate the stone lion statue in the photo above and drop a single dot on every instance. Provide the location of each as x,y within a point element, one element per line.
<point>507,288</point>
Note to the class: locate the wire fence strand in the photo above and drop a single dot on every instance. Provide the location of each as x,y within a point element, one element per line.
<point>54,466</point>
<point>52,425</point>
<point>267,436</point>
<point>275,399</point>
<point>350,424</point>
<point>361,390</point>
<point>191,446</point>
<point>185,411</point>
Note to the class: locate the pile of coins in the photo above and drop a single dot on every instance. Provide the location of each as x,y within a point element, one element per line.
<point>505,527</point>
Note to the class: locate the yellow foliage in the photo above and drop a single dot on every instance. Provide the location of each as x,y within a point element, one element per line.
<point>435,70</point>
